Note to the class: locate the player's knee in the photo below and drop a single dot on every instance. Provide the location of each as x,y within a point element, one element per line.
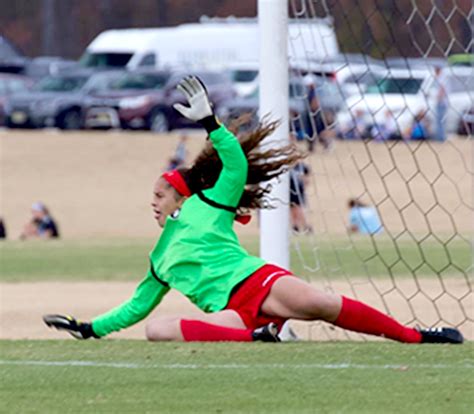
<point>162,329</point>
<point>323,305</point>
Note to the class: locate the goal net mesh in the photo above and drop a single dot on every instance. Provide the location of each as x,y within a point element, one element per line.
<point>378,134</point>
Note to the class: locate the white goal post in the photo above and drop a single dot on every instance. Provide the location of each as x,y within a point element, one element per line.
<point>273,33</point>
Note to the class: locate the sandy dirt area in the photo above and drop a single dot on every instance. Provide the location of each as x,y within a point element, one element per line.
<point>23,304</point>
<point>98,185</point>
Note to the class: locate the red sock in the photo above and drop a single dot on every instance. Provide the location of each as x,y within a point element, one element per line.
<point>359,317</point>
<point>206,332</point>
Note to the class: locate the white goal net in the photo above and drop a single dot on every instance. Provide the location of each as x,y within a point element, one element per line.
<point>382,210</point>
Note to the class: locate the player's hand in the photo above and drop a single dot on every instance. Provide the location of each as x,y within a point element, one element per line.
<point>79,330</point>
<point>195,92</point>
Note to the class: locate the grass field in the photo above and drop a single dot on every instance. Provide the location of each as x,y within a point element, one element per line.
<point>135,376</point>
<point>126,259</point>
<point>99,187</point>
<point>115,376</point>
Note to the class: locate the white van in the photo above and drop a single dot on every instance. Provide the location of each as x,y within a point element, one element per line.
<point>215,44</point>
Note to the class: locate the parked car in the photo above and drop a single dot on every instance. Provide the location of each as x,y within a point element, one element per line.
<point>459,82</point>
<point>42,66</point>
<point>466,123</point>
<point>328,94</point>
<point>125,98</point>
<point>55,101</point>
<point>420,63</point>
<point>355,78</point>
<point>152,108</point>
<point>212,43</point>
<point>244,77</point>
<point>409,92</point>
<point>403,92</point>
<point>351,72</point>
<point>9,85</point>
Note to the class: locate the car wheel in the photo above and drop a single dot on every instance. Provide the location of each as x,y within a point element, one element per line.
<point>159,122</point>
<point>71,120</point>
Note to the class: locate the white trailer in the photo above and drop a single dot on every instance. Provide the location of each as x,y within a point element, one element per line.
<point>212,44</point>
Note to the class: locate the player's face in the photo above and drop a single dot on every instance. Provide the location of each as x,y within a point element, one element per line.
<point>164,201</point>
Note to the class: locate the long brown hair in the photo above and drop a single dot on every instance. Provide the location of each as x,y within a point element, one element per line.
<point>263,164</point>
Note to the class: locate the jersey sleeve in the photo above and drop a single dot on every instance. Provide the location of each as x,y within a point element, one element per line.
<point>231,182</point>
<point>147,296</point>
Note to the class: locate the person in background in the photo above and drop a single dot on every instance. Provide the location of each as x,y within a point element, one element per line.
<point>363,219</point>
<point>3,231</point>
<point>386,129</point>
<point>179,157</point>
<point>420,128</point>
<point>441,108</point>
<point>316,123</point>
<point>42,225</point>
<point>356,129</point>
<point>299,176</point>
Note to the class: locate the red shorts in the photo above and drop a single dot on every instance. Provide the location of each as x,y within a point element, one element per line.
<point>249,296</point>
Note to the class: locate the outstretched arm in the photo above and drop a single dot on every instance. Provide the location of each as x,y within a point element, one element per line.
<point>147,296</point>
<point>230,184</point>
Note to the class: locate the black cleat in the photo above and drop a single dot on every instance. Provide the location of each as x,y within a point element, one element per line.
<point>441,336</point>
<point>267,333</point>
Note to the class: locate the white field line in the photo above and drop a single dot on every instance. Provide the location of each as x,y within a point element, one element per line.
<point>126,365</point>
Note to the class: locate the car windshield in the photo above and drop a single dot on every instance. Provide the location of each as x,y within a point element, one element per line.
<point>141,81</point>
<point>396,86</point>
<point>296,90</point>
<point>103,81</point>
<point>111,60</point>
<point>242,75</point>
<point>61,84</point>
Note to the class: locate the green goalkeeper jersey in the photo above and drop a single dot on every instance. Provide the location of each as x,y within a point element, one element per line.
<point>198,252</point>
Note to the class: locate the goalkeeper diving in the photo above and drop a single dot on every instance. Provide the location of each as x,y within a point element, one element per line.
<point>198,253</point>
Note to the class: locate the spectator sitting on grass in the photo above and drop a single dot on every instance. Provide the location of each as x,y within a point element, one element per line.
<point>420,128</point>
<point>3,231</point>
<point>363,219</point>
<point>41,225</point>
<point>356,129</point>
<point>386,129</point>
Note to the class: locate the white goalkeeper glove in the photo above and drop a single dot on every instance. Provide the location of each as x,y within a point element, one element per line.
<point>200,108</point>
<point>196,94</point>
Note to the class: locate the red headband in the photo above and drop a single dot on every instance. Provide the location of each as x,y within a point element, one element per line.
<point>176,180</point>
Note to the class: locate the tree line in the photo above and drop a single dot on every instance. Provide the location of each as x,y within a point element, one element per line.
<point>380,28</point>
